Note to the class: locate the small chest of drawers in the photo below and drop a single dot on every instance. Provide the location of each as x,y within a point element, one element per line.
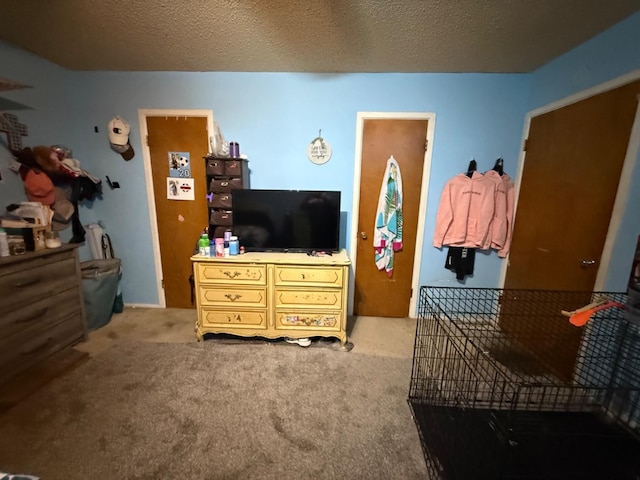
<point>223,176</point>
<point>42,307</point>
<point>272,295</point>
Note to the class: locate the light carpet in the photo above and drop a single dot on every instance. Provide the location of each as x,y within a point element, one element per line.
<point>218,411</point>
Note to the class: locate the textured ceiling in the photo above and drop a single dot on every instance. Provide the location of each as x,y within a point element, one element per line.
<point>306,36</point>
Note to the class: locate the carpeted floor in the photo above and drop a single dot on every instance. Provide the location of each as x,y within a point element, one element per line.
<point>212,410</point>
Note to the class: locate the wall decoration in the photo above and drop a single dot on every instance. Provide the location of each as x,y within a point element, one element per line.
<point>15,130</point>
<point>319,150</point>
<point>179,164</point>
<point>180,188</point>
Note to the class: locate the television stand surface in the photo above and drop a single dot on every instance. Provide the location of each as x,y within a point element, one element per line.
<point>272,295</point>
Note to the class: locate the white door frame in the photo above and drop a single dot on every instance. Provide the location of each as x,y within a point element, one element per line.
<point>426,173</point>
<point>148,175</point>
<point>624,186</point>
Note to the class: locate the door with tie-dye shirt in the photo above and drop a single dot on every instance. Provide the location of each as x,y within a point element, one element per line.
<point>375,292</point>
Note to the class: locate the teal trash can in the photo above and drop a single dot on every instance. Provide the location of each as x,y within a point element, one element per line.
<point>100,287</point>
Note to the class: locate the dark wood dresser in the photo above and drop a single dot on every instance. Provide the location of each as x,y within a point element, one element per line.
<point>41,308</point>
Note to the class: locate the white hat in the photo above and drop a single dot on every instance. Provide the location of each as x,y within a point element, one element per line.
<point>125,150</point>
<point>118,131</point>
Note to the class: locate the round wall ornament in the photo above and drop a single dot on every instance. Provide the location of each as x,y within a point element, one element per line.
<point>319,150</point>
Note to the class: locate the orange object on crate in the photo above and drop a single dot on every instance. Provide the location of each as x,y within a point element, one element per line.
<point>581,316</point>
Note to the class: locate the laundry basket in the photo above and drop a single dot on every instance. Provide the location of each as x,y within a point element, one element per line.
<point>100,286</point>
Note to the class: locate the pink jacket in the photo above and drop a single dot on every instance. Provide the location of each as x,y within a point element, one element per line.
<point>507,186</point>
<point>501,227</point>
<point>466,210</point>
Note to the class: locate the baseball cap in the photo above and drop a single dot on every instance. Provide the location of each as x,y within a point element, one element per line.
<point>119,137</point>
<point>63,209</point>
<point>125,150</point>
<point>38,187</point>
<point>118,131</point>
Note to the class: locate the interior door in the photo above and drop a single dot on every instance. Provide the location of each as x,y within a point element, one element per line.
<point>375,293</point>
<point>180,222</point>
<point>574,157</point>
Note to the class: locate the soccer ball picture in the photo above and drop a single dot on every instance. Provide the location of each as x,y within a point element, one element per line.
<point>183,162</point>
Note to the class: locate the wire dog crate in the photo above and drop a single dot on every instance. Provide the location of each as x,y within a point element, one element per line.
<point>504,387</point>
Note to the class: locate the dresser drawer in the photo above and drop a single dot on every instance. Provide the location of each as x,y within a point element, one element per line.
<point>34,345</point>
<point>225,185</point>
<point>236,296</point>
<point>40,281</point>
<point>215,166</point>
<point>231,274</point>
<point>308,298</point>
<point>237,319</point>
<point>234,167</point>
<point>299,319</point>
<point>309,276</point>
<point>220,200</point>
<point>221,217</point>
<point>38,315</point>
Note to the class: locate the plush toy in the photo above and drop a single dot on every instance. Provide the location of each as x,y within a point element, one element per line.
<point>48,160</point>
<point>40,157</point>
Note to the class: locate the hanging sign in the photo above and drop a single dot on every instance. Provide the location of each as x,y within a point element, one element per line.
<point>319,150</point>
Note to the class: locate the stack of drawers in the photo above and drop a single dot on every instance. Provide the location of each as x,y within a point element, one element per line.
<point>232,295</point>
<point>42,307</point>
<point>223,176</point>
<point>309,297</point>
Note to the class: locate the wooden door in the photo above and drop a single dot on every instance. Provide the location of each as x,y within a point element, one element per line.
<point>574,157</point>
<point>375,293</point>
<point>180,222</point>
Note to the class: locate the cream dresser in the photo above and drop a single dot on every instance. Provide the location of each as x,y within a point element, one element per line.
<point>42,307</point>
<point>272,295</point>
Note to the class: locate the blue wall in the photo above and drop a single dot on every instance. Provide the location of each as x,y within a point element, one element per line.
<point>274,115</point>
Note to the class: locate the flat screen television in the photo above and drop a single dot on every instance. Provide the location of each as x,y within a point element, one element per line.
<point>286,220</point>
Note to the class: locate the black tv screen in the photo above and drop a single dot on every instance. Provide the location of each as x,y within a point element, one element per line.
<point>286,220</point>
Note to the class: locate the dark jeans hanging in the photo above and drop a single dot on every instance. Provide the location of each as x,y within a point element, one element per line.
<point>461,261</point>
<point>81,188</point>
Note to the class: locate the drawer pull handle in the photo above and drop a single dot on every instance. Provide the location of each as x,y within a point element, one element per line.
<point>27,283</point>
<point>233,298</point>
<point>236,317</point>
<point>33,316</point>
<point>231,274</point>
<point>37,347</point>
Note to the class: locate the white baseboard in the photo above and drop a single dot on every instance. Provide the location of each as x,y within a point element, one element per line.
<point>143,305</point>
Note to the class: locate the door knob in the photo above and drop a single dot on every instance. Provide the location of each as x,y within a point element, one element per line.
<point>363,235</point>
<point>587,263</point>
